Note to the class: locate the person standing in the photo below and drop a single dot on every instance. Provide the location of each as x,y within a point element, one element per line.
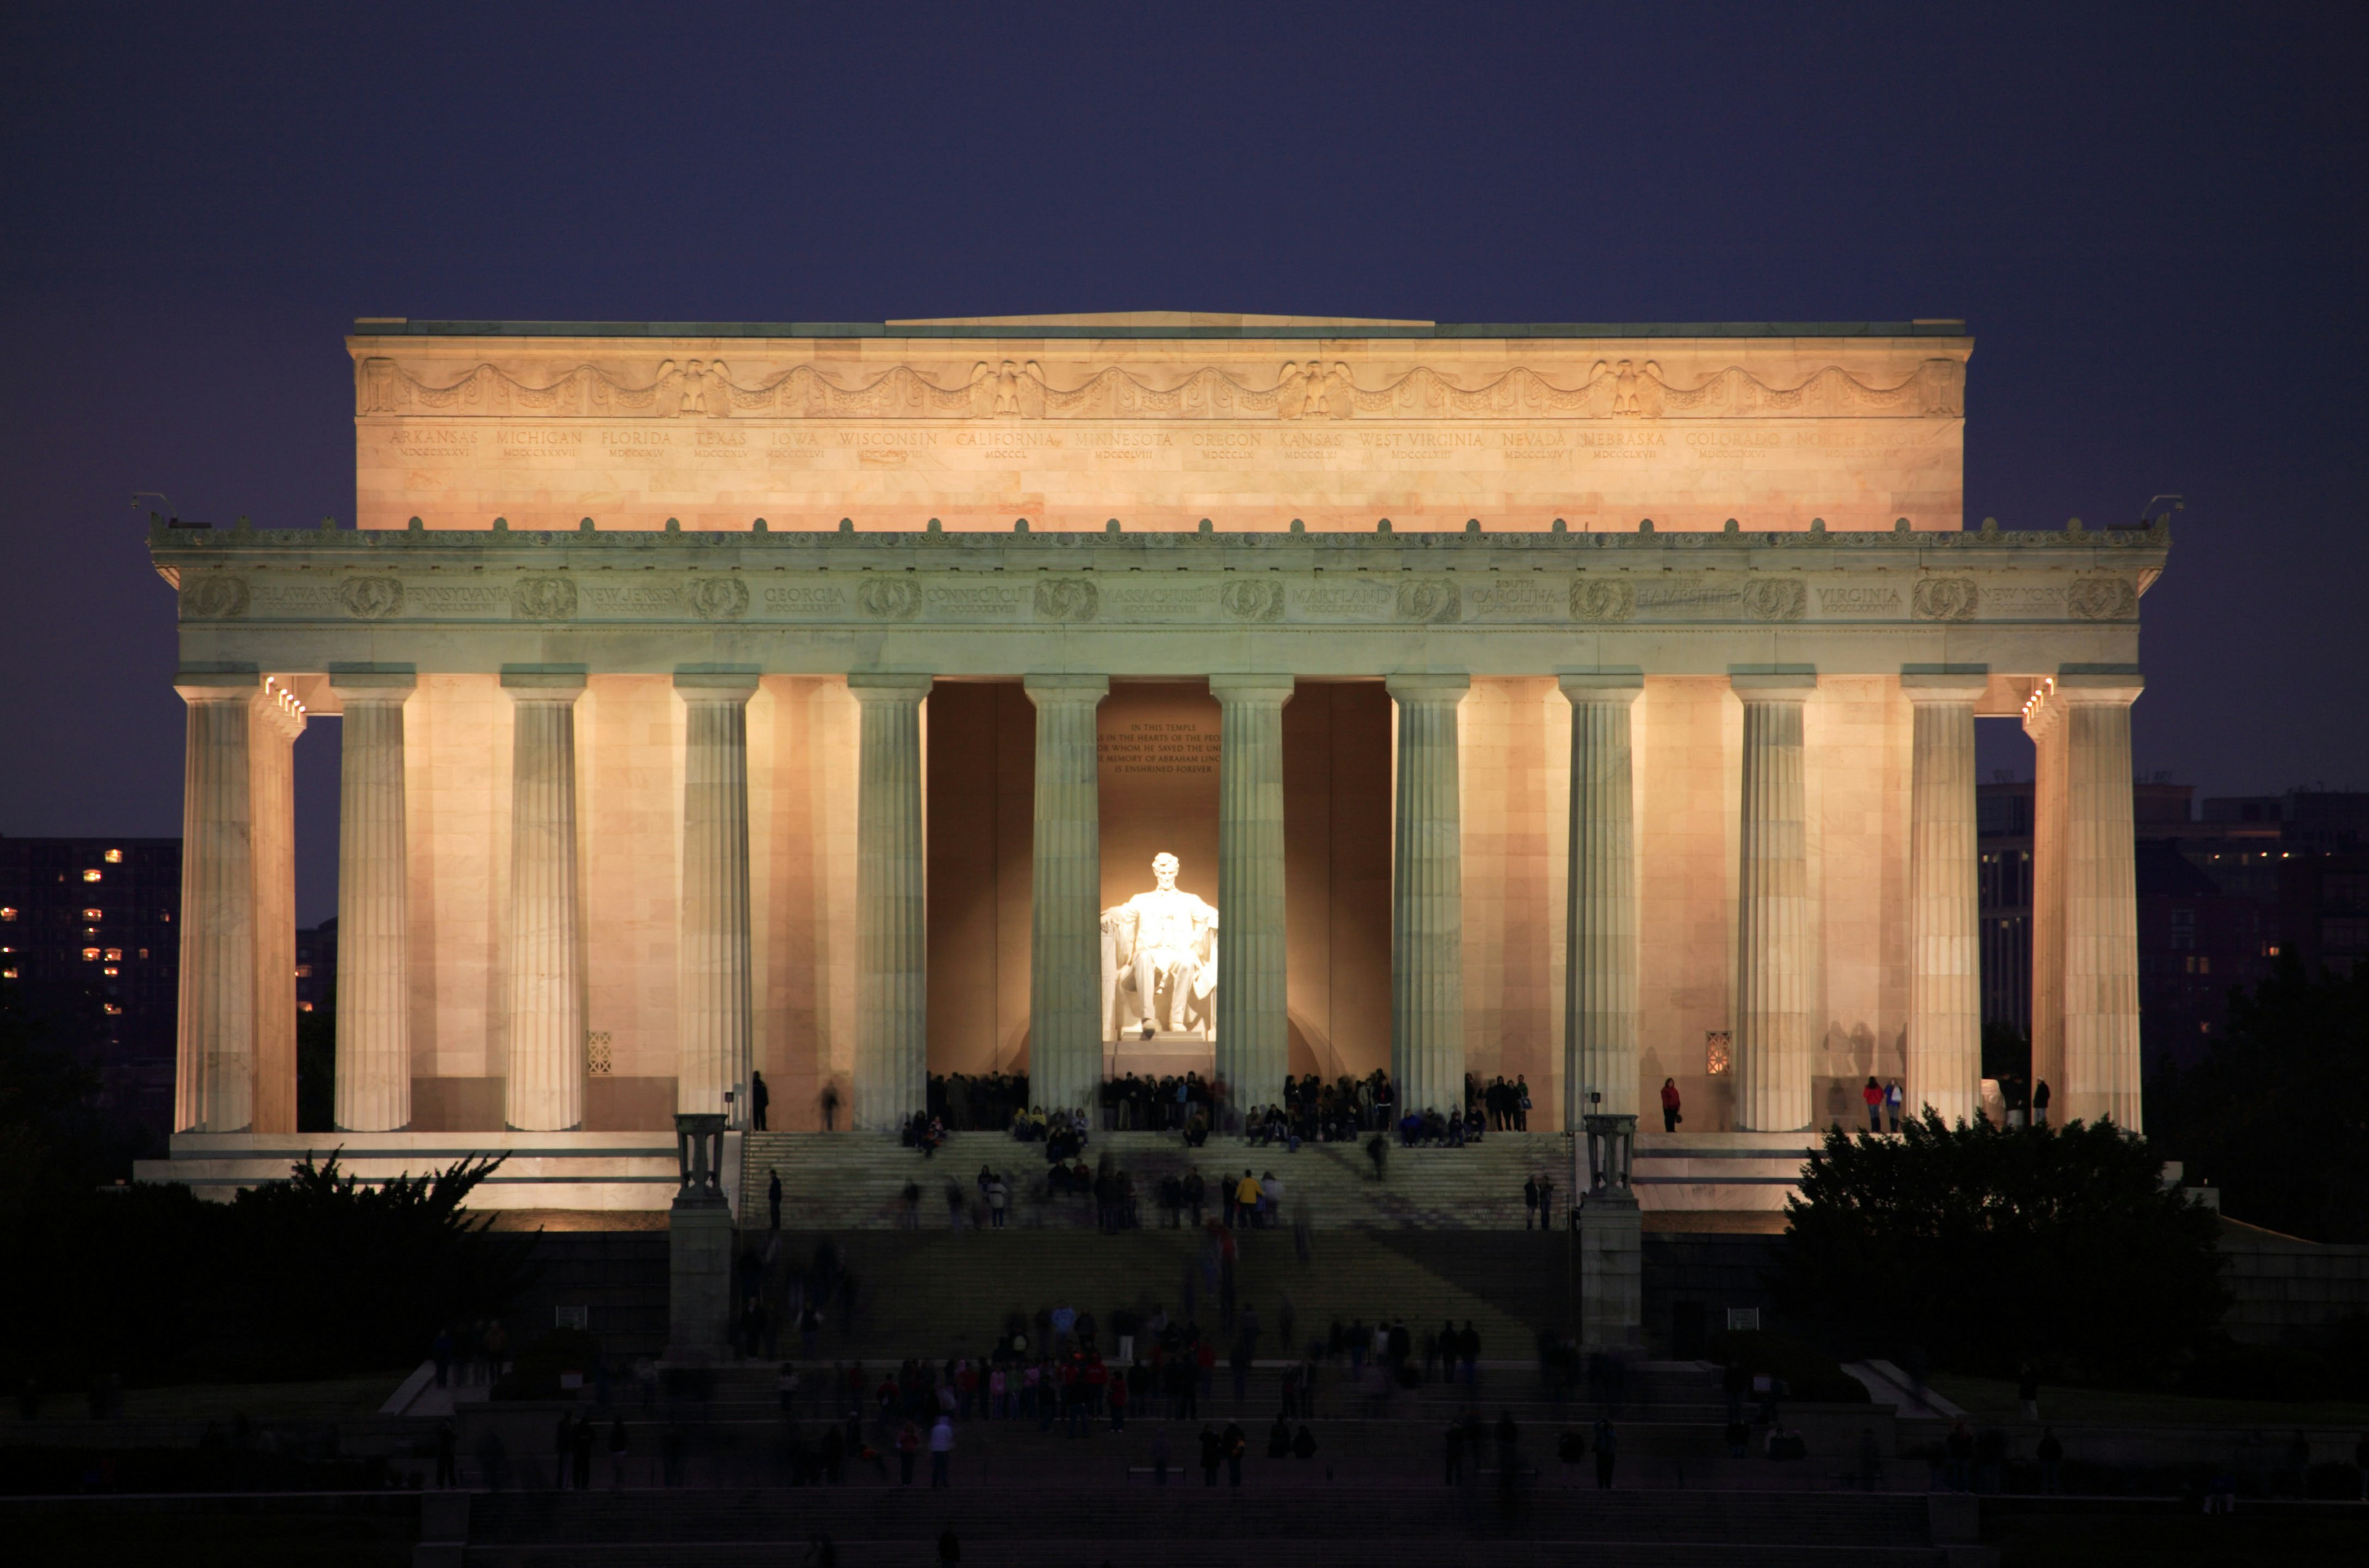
<point>1521,1092</point>
<point>2050,1452</point>
<point>617,1446</point>
<point>1894,1101</point>
<point>829,1108</point>
<point>1873,1095</point>
<point>2027,1389</point>
<point>580,1455</point>
<point>1607,1445</point>
<point>1237,1444</point>
<point>909,1450</point>
<point>1670,1117</point>
<point>772,1199</point>
<point>1546,1204</point>
<point>1213,1454</point>
<point>942,1448</point>
<point>759,1098</point>
<point>2040,1104</point>
<point>448,1444</point>
<point>1530,1203</point>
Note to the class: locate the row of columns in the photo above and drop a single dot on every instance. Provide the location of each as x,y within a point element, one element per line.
<point>237,870</point>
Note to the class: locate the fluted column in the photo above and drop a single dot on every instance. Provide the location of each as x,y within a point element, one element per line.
<point>373,1080</point>
<point>1600,987</point>
<point>712,972</point>
<point>1065,981</point>
<point>214,1066</point>
<point>891,929</point>
<point>1945,1008</point>
<point>1253,1027</point>
<point>2085,1006</point>
<point>1426,897</point>
<point>279,719</point>
<point>544,1086</point>
<point>1772,985</point>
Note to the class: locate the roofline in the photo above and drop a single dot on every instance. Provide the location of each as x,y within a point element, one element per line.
<point>397,326</point>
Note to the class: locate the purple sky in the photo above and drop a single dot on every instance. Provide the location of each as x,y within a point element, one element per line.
<point>2152,220</point>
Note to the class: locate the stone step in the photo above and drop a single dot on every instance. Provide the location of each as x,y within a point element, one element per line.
<point>1170,1552</point>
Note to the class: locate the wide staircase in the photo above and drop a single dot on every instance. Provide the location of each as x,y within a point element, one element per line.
<point>857,1181</point>
<point>1187,1525</point>
<point>947,1292</point>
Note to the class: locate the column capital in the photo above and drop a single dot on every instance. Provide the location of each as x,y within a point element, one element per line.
<point>716,685</point>
<point>1426,688</point>
<point>1043,689</point>
<point>888,686</point>
<point>1277,688</point>
<point>1772,683</point>
<point>2075,684</point>
<point>217,685</point>
<point>543,683</point>
<point>1935,683</point>
<point>372,682</point>
<point>1616,686</point>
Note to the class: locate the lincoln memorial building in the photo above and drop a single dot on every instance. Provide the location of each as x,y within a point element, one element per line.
<point>1592,703</point>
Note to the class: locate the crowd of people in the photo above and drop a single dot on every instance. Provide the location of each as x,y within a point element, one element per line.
<point>1312,1110</point>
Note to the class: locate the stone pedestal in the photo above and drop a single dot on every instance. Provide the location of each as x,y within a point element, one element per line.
<point>1427,899</point>
<point>543,1087</point>
<point>1611,1241</point>
<point>1772,957</point>
<point>699,1247</point>
<point>374,1079</point>
<point>1945,1017</point>
<point>713,1021</point>
<point>1254,1029</point>
<point>892,989</point>
<point>1065,1049</point>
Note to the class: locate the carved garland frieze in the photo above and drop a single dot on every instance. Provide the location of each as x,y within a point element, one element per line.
<point>1775,598</point>
<point>1067,599</point>
<point>2102,599</point>
<point>1598,599</point>
<point>718,599</point>
<point>1430,601</point>
<point>544,599</point>
<point>889,600</point>
<point>214,597</point>
<point>372,599</point>
<point>1613,389</point>
<point>1944,599</point>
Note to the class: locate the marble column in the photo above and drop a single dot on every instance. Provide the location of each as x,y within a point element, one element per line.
<point>1426,897</point>
<point>1772,983</point>
<point>373,1084</point>
<point>891,926</point>
<point>214,1064</point>
<point>1945,1006</point>
<point>272,797</point>
<point>1253,1026</point>
<point>545,1082</point>
<point>1600,932</point>
<point>713,1029</point>
<point>1065,980</point>
<point>2085,1007</point>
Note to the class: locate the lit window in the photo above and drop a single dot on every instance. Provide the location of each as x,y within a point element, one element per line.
<point>7,973</point>
<point>304,971</point>
<point>94,914</point>
<point>2271,951</point>
<point>2205,965</point>
<point>143,953</point>
<point>303,1007</point>
<point>90,955</point>
<point>113,857</point>
<point>7,914</point>
<point>113,1011</point>
<point>90,876</point>
<point>167,914</point>
<point>110,971</point>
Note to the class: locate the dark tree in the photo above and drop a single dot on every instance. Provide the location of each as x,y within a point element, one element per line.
<point>2277,1114</point>
<point>1989,1247</point>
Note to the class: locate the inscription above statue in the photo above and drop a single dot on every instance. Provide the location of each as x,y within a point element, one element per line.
<point>1159,948</point>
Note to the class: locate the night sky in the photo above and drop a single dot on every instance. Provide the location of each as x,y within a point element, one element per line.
<point>2152,220</point>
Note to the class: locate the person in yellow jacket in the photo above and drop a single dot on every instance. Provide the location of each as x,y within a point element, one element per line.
<point>1246,1198</point>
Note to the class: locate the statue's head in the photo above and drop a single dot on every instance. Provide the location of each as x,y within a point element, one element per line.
<point>1163,871</point>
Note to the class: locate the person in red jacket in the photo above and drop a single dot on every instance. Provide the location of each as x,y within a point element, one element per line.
<point>1670,1117</point>
<point>1873,1095</point>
